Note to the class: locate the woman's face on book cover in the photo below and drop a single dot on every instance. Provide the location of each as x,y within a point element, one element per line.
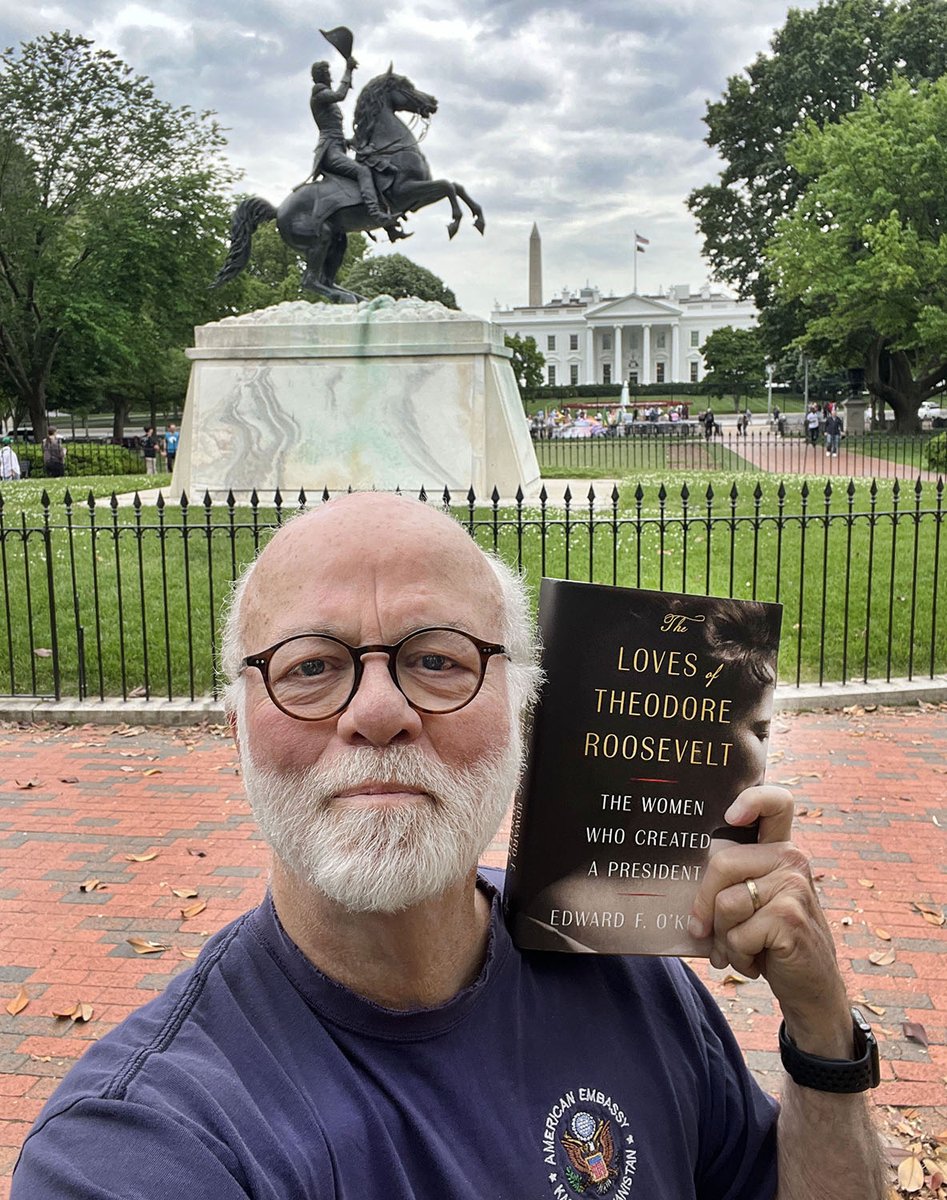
<point>749,733</point>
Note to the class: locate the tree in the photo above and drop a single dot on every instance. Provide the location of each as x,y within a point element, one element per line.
<point>823,62</point>
<point>864,251</point>
<point>112,213</point>
<point>527,361</point>
<point>735,360</point>
<point>395,275</point>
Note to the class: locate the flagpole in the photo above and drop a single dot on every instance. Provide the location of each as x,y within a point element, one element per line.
<point>635,256</point>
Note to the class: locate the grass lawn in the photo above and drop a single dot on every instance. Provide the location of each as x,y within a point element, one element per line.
<point>139,590</point>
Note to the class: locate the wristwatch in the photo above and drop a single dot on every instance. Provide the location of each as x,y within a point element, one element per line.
<point>857,1074</point>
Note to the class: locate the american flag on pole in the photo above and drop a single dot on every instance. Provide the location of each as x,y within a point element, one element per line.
<point>641,242</point>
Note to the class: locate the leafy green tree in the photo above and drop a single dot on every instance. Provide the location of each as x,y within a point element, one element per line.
<point>735,360</point>
<point>527,363</point>
<point>395,275</point>
<point>822,62</point>
<point>112,214</point>
<point>864,251</point>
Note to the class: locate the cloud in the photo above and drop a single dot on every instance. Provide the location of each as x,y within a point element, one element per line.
<point>585,119</point>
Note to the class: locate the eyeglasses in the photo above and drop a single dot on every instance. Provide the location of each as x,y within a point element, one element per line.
<point>312,676</point>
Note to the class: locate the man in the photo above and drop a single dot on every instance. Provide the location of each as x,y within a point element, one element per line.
<point>331,156</point>
<point>149,448</point>
<point>9,463</point>
<point>171,445</point>
<point>370,1030</point>
<point>54,454</point>
<point>833,432</point>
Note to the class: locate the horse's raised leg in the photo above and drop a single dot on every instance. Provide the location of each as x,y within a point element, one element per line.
<point>472,204</point>
<point>422,192</point>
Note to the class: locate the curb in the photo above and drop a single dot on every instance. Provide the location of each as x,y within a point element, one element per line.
<point>112,711</point>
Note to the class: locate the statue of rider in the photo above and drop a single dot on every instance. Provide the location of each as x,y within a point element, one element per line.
<point>331,157</point>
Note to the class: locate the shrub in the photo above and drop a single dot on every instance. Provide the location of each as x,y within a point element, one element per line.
<point>937,452</point>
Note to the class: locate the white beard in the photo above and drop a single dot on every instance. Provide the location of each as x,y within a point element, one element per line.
<point>383,859</point>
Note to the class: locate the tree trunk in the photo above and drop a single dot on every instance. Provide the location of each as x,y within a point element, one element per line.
<point>889,377</point>
<point>37,410</point>
<point>120,409</point>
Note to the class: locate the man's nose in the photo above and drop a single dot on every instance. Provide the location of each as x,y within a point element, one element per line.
<point>379,713</point>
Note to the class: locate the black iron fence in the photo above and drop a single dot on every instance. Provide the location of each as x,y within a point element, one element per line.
<point>659,447</point>
<point>102,599</point>
<point>85,457</point>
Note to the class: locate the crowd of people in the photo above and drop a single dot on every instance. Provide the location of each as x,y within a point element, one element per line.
<point>153,446</point>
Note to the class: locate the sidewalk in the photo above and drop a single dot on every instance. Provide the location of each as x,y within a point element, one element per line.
<point>145,810</point>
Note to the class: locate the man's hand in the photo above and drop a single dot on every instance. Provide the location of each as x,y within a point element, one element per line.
<point>776,927</point>
<point>351,64</point>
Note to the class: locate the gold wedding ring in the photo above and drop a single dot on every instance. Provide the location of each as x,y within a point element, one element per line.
<point>754,893</point>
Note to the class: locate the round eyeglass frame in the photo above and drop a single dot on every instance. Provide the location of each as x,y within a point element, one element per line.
<point>486,650</point>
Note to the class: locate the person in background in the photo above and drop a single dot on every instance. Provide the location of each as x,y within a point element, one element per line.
<point>149,447</point>
<point>171,445</point>
<point>833,432</point>
<point>54,454</point>
<point>9,463</point>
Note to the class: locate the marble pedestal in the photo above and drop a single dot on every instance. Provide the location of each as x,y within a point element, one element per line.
<point>384,394</point>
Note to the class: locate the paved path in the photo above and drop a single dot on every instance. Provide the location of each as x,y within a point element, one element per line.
<point>148,810</point>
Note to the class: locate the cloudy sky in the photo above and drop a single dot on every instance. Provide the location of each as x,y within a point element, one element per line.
<point>584,117</point>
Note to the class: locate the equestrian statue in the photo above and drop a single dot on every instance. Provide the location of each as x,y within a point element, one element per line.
<point>388,178</point>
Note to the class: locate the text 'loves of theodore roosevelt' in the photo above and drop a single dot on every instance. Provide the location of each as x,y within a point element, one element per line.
<point>655,705</point>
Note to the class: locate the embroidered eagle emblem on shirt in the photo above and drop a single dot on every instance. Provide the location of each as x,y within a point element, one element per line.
<point>591,1151</point>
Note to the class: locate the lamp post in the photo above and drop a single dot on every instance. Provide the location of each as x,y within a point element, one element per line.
<point>769,392</point>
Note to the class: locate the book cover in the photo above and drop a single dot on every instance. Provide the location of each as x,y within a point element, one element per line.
<point>653,717</point>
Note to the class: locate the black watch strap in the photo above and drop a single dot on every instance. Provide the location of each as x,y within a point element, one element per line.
<point>834,1074</point>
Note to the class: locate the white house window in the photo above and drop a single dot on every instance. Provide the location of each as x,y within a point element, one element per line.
<point>573,373</point>
<point>606,341</point>
<point>606,372</point>
<point>551,372</point>
<point>695,339</point>
<point>662,343</point>
<point>573,341</point>
<point>551,341</point>
<point>659,372</point>
<point>693,372</point>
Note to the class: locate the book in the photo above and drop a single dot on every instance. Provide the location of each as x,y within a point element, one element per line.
<point>654,715</point>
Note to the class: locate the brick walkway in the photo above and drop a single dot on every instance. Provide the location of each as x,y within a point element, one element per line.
<point>79,802</point>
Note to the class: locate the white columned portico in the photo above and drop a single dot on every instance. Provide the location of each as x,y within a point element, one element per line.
<point>676,373</point>
<point>646,354</point>
<point>589,354</point>
<point>618,372</point>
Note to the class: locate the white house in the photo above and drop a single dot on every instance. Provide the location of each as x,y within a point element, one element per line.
<point>588,338</point>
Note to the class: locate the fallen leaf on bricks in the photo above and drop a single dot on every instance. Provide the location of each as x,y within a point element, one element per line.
<point>734,979</point>
<point>933,918</point>
<point>131,731</point>
<point>883,934</point>
<point>26,784</point>
<point>127,770</point>
<point>42,652</point>
<point>866,883</point>
<point>910,1174</point>
<point>18,1003</point>
<point>141,857</point>
<point>846,921</point>
<point>882,958</point>
<point>197,853</point>
<point>69,779</point>
<point>67,1012</point>
<point>185,893</point>
<point>190,951</point>
<point>152,771</point>
<point>91,885</point>
<point>193,910</point>
<point>85,1012</point>
<point>876,1009</point>
<point>143,946</point>
<point>131,753</point>
<point>915,1032</point>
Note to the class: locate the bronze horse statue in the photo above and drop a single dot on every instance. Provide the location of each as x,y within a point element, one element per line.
<point>316,218</point>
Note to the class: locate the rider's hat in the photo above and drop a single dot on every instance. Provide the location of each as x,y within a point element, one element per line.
<point>341,38</point>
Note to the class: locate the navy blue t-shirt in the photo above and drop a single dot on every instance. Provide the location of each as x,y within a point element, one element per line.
<point>553,1075</point>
